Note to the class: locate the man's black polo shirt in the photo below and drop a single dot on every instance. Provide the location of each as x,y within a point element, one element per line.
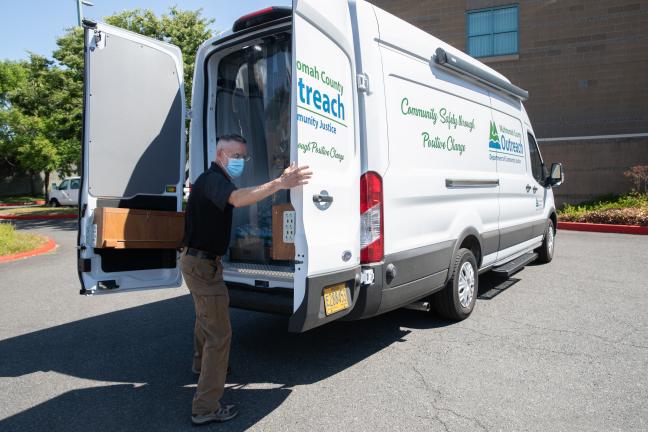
<point>208,217</point>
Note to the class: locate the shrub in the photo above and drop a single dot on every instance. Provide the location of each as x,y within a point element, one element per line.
<point>639,176</point>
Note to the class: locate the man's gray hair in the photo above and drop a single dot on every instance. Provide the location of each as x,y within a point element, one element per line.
<point>229,137</point>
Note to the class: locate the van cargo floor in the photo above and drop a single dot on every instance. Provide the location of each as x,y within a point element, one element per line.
<point>258,271</point>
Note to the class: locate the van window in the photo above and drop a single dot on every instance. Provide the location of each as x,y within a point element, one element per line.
<point>537,167</point>
<point>253,100</point>
<point>63,185</point>
<point>74,184</point>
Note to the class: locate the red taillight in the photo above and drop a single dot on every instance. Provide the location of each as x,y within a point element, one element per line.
<point>261,16</point>
<point>371,218</point>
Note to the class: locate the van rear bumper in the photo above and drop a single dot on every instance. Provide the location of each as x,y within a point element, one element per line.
<point>310,313</point>
<point>369,296</point>
<point>271,300</point>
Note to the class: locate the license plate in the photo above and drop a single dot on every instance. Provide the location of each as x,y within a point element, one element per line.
<point>335,299</point>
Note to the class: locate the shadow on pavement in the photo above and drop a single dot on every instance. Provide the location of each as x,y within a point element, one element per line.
<point>151,346</point>
<point>51,224</point>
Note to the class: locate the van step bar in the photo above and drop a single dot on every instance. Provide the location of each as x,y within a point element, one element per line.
<point>512,267</point>
<point>419,306</point>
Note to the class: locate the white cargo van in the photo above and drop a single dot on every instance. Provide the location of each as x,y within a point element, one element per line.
<point>426,169</point>
<point>65,193</point>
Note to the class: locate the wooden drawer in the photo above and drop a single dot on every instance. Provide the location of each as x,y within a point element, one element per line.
<point>121,228</point>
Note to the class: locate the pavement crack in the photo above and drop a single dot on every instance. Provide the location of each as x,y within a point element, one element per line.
<point>436,397</point>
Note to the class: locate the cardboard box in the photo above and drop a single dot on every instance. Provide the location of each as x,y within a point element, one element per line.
<point>121,228</point>
<point>281,250</point>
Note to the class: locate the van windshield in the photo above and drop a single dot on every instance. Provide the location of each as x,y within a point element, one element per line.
<point>253,100</point>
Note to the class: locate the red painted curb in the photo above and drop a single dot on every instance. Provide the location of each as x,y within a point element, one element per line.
<point>604,228</point>
<point>38,217</point>
<point>48,246</point>
<point>26,203</point>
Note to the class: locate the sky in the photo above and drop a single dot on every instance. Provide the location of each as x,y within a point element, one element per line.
<point>34,25</point>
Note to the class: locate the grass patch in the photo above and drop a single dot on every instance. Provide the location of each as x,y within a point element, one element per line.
<point>39,210</point>
<point>21,199</point>
<point>629,209</point>
<point>12,241</point>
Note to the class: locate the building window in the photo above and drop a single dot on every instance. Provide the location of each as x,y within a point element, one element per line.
<point>492,32</point>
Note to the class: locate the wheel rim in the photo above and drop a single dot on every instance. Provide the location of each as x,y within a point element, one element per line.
<point>550,240</point>
<point>466,284</point>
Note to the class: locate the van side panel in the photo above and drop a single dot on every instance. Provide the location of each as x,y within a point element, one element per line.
<point>507,145</point>
<point>441,182</point>
<point>520,214</point>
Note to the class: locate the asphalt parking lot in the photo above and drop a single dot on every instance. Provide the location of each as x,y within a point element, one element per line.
<point>564,348</point>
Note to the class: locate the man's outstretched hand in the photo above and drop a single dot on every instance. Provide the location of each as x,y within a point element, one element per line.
<point>294,176</point>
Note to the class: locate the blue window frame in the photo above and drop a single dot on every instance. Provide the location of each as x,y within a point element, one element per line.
<point>492,32</point>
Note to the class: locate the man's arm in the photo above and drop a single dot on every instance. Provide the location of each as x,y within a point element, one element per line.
<point>292,176</point>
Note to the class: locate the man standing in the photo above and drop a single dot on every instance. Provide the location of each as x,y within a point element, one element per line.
<point>208,222</point>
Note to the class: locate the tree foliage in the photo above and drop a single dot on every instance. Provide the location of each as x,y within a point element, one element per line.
<point>41,100</point>
<point>32,100</point>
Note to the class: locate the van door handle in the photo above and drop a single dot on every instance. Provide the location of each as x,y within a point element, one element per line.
<point>528,188</point>
<point>318,198</point>
<point>535,189</point>
<point>322,200</point>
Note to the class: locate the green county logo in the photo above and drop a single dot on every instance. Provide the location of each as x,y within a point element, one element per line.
<point>494,141</point>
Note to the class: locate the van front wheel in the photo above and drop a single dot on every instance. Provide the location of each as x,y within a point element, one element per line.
<point>457,300</point>
<point>546,250</point>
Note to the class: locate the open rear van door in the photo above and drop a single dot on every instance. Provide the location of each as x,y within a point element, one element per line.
<point>324,136</point>
<point>132,163</point>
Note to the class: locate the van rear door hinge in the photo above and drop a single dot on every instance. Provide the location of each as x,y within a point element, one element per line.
<point>363,83</point>
<point>98,41</point>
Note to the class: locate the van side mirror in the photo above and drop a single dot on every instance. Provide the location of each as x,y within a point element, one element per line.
<point>556,176</point>
<point>54,187</point>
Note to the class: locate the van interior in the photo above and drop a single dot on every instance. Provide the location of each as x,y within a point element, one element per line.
<point>250,96</point>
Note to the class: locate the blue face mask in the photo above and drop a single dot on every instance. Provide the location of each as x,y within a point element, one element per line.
<point>235,167</point>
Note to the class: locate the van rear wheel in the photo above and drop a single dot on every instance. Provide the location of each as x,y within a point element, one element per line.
<point>457,300</point>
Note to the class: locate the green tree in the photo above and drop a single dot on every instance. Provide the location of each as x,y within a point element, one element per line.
<point>13,75</point>
<point>32,98</point>
<point>41,101</point>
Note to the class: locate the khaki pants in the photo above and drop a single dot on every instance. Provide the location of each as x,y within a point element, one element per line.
<point>212,331</point>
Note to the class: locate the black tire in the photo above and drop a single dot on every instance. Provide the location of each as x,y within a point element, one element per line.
<point>446,302</point>
<point>546,250</point>
<point>54,203</point>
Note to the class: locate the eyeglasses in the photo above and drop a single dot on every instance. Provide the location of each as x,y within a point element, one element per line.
<point>246,158</point>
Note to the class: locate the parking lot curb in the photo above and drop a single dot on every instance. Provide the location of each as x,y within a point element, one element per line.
<point>47,247</point>
<point>25,203</point>
<point>38,217</point>
<point>604,228</point>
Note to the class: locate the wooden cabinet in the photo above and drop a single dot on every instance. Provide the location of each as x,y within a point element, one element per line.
<point>121,228</point>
